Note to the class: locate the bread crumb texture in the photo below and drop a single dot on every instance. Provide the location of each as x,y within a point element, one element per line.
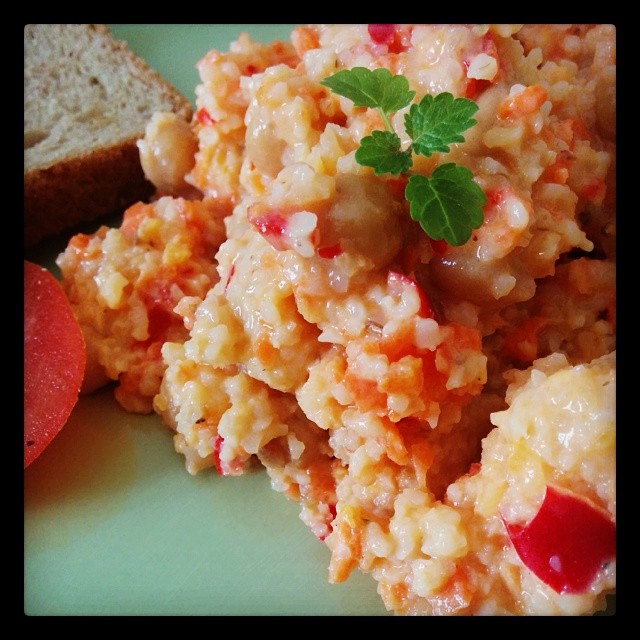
<point>87,100</point>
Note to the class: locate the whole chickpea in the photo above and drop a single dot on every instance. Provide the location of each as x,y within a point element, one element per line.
<point>167,154</point>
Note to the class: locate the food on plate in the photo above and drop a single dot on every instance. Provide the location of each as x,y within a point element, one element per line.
<point>387,274</point>
<point>87,99</point>
<point>161,256</point>
<point>54,360</point>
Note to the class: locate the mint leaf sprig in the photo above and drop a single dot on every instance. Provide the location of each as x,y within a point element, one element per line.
<point>448,204</point>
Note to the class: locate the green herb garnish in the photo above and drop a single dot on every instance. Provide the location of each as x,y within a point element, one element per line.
<point>448,204</point>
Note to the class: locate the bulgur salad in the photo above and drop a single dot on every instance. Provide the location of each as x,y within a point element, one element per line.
<point>380,264</point>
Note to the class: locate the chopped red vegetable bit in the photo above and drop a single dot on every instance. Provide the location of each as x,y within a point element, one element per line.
<point>217,445</point>
<point>567,542</point>
<point>382,33</point>
<point>332,251</point>
<point>203,117</point>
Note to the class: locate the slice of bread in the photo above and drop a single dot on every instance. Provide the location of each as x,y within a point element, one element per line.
<point>87,99</point>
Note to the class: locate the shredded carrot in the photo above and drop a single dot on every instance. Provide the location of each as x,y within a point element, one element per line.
<point>132,218</point>
<point>264,350</point>
<point>558,172</point>
<point>79,243</point>
<point>528,101</point>
<point>304,39</point>
<point>403,376</point>
<point>400,343</point>
<point>346,553</point>
<point>422,456</point>
<point>457,592</point>
<point>322,483</point>
<point>365,393</point>
<point>394,444</point>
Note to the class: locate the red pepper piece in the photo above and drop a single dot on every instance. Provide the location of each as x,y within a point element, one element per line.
<point>203,117</point>
<point>217,445</point>
<point>566,543</point>
<point>272,226</point>
<point>332,251</point>
<point>382,33</point>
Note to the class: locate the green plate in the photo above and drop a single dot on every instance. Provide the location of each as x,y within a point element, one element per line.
<point>113,523</point>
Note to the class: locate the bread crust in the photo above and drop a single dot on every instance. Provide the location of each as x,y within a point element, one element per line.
<point>81,189</point>
<point>101,181</point>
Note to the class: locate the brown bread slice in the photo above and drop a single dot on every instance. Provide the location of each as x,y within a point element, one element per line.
<point>87,99</point>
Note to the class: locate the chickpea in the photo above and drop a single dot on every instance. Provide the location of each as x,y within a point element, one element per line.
<point>167,153</point>
<point>364,219</point>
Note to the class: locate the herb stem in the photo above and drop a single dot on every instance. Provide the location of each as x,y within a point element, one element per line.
<point>385,120</point>
<point>448,204</point>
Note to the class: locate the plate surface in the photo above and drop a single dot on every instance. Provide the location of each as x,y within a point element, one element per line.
<point>113,523</point>
<point>115,526</point>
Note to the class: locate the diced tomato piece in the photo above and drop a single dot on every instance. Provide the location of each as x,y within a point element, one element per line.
<point>494,197</point>
<point>160,321</point>
<point>475,86</point>
<point>382,33</point>
<point>54,359</point>
<point>204,117</point>
<point>330,252</point>
<point>566,543</point>
<point>489,45</point>
<point>217,445</point>
<point>272,225</point>
<point>395,37</point>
